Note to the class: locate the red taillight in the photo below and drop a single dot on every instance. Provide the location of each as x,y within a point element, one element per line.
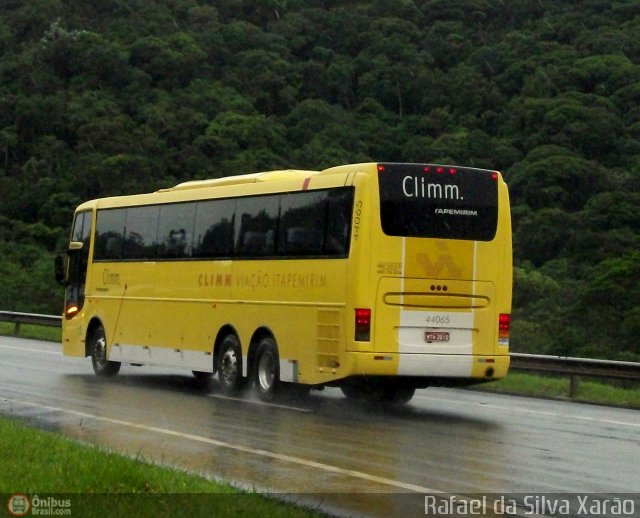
<point>380,168</point>
<point>452,171</point>
<point>504,322</point>
<point>504,328</point>
<point>363,324</point>
<point>494,176</point>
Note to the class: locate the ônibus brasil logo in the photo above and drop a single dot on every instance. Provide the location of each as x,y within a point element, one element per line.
<point>19,505</point>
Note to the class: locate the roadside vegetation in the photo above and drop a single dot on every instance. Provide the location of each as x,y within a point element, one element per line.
<point>614,393</point>
<point>108,98</point>
<point>34,332</point>
<point>35,462</point>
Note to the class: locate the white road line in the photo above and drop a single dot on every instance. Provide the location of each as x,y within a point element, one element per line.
<point>529,411</point>
<point>261,403</point>
<point>2,346</point>
<point>245,449</point>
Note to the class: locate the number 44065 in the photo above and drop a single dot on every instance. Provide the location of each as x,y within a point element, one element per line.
<point>438,320</point>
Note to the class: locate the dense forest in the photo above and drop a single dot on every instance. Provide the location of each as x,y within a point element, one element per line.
<point>103,97</point>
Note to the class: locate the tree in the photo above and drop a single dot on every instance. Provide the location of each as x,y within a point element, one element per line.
<point>268,79</point>
<point>110,97</point>
<point>243,143</point>
<point>555,177</point>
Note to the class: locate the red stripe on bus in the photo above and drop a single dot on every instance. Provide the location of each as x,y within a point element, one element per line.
<point>305,184</point>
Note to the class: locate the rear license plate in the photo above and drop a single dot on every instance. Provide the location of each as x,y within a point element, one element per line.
<point>436,336</point>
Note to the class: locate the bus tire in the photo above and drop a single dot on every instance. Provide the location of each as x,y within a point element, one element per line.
<point>266,371</point>
<point>98,347</point>
<point>352,391</point>
<point>230,366</point>
<point>399,396</point>
<point>202,376</point>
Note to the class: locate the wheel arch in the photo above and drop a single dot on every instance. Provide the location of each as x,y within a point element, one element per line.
<point>225,330</point>
<point>258,335</point>
<point>94,324</point>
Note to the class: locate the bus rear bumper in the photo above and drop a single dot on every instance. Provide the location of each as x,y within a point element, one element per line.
<point>474,367</point>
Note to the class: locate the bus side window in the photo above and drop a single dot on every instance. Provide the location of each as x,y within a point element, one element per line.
<point>140,240</point>
<point>214,228</point>
<point>340,205</point>
<point>302,223</point>
<point>113,246</point>
<point>175,230</point>
<point>109,231</point>
<point>253,243</point>
<point>257,217</point>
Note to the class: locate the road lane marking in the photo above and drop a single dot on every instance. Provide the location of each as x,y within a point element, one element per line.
<point>261,403</point>
<point>3,346</point>
<point>236,447</point>
<point>529,411</point>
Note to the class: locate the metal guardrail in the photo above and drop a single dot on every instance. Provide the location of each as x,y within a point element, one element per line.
<point>29,318</point>
<point>573,367</point>
<point>577,366</point>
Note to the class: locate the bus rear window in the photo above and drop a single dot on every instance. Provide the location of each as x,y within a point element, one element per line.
<point>438,201</point>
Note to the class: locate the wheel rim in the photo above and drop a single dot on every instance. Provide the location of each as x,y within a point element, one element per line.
<point>229,366</point>
<point>266,372</point>
<point>100,350</point>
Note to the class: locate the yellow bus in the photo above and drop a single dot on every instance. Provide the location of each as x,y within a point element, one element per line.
<point>379,278</point>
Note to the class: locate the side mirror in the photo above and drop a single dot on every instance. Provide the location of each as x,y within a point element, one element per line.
<point>59,268</point>
<point>75,246</point>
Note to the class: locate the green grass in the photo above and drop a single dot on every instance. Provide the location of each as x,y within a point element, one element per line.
<point>590,391</point>
<point>100,483</point>
<point>36,332</point>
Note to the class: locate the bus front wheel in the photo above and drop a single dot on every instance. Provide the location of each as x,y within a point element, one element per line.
<point>266,372</point>
<point>98,347</point>
<point>230,366</point>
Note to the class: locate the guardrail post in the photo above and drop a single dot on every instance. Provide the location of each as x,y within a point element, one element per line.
<point>574,383</point>
<point>16,330</point>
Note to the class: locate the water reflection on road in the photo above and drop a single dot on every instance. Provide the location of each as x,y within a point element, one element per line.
<point>346,455</point>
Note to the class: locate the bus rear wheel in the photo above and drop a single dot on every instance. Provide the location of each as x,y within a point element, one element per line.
<point>266,372</point>
<point>230,366</point>
<point>201,376</point>
<point>98,348</point>
<point>399,395</point>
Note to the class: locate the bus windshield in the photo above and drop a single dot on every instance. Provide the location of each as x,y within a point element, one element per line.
<point>438,201</point>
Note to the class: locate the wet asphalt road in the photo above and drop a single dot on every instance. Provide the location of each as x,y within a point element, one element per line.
<point>349,456</point>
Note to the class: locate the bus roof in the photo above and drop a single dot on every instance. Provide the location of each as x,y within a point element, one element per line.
<point>225,186</point>
<point>267,176</point>
<point>204,188</point>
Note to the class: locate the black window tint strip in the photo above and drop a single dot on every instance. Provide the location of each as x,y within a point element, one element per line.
<point>438,202</point>
<point>306,224</point>
<point>141,233</point>
<point>109,234</point>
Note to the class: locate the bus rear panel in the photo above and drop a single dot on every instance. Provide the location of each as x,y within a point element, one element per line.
<point>440,278</point>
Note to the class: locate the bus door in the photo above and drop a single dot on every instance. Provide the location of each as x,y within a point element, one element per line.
<point>75,277</point>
